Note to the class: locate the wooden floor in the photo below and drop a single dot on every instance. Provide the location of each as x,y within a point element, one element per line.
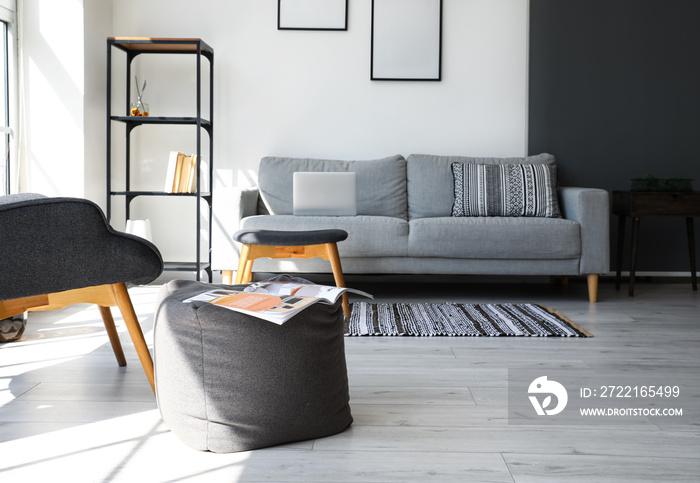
<point>425,409</point>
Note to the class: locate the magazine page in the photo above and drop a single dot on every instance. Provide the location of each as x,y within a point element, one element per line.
<point>273,301</point>
<point>327,293</point>
<point>273,308</point>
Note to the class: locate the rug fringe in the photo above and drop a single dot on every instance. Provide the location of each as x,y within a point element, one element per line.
<point>568,320</point>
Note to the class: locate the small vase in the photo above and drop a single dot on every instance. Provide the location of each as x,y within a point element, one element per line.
<point>138,108</point>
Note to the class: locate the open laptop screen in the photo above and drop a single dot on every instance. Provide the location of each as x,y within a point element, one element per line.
<point>324,193</point>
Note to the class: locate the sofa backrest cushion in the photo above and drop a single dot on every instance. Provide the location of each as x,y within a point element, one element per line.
<point>431,183</point>
<point>381,183</point>
<point>505,190</point>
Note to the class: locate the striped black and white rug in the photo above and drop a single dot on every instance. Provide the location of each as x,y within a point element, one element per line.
<point>452,319</point>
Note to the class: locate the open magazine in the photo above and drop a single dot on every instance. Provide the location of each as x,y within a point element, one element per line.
<point>275,302</point>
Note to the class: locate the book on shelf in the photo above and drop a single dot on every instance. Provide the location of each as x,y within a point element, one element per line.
<point>276,302</point>
<point>171,176</point>
<point>186,174</point>
<point>181,175</point>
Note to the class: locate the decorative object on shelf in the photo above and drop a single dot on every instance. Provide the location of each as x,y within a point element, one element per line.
<point>650,182</point>
<point>312,15</point>
<point>140,228</point>
<point>139,108</point>
<point>406,40</point>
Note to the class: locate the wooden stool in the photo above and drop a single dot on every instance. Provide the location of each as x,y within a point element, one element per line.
<point>289,244</point>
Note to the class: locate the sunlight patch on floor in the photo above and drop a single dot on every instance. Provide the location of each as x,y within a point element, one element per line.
<point>104,450</point>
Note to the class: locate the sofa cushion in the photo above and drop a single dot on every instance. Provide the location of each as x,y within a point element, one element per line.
<point>381,183</point>
<point>368,236</point>
<point>494,238</point>
<point>430,182</point>
<point>505,190</point>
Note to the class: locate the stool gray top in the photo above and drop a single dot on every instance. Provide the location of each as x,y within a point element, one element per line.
<point>289,238</point>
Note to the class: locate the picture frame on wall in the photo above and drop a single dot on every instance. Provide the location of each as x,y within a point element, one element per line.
<point>312,14</point>
<point>406,40</point>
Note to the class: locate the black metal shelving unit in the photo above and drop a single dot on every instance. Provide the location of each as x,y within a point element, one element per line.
<point>134,47</point>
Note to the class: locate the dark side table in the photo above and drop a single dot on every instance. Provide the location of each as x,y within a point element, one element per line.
<point>638,204</point>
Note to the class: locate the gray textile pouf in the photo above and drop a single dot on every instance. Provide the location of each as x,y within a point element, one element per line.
<point>229,382</point>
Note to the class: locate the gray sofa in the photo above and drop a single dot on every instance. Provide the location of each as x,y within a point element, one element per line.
<point>405,225</point>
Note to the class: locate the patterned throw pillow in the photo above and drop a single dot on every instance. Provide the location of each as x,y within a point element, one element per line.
<point>505,190</point>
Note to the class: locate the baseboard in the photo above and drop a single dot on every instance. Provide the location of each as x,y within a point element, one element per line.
<point>651,274</point>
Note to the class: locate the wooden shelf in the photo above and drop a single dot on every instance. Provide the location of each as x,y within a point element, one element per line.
<point>139,120</point>
<point>156,45</point>
<point>155,193</point>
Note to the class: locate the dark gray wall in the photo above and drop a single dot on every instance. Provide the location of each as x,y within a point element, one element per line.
<point>615,94</point>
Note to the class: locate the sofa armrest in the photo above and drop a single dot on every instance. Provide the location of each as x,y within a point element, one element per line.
<point>590,208</point>
<point>231,205</point>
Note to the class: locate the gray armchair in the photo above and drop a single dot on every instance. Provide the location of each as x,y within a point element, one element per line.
<point>61,251</point>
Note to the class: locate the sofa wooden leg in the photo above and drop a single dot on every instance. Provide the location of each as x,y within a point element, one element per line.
<point>227,277</point>
<point>592,288</point>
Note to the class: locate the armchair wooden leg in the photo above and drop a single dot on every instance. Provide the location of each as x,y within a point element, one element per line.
<point>111,329</point>
<point>132,324</point>
<point>593,288</point>
<point>104,296</point>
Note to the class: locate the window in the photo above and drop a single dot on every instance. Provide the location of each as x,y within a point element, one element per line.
<point>5,131</point>
<point>9,176</point>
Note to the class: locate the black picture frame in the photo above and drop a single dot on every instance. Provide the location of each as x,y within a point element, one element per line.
<point>312,14</point>
<point>406,40</point>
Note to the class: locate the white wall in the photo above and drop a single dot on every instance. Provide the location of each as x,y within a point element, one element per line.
<point>301,93</point>
<point>98,26</point>
<point>62,136</point>
<point>52,102</point>
<point>294,93</point>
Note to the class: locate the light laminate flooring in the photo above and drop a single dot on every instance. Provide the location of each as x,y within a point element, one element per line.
<point>425,409</point>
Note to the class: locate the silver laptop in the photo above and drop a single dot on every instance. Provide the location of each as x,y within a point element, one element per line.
<point>324,193</point>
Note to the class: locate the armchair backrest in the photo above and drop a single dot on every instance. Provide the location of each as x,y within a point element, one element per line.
<point>55,244</point>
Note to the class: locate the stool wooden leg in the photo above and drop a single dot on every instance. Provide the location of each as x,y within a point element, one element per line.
<point>334,258</point>
<point>248,272</point>
<point>240,273</point>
